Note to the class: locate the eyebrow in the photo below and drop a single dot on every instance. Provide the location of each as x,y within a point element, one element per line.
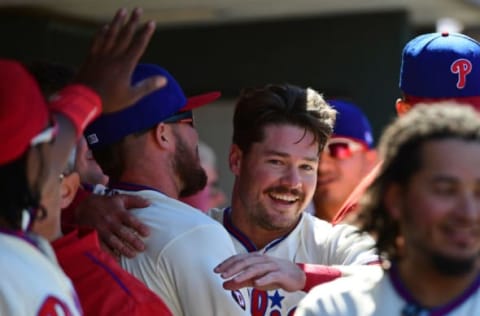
<point>448,178</point>
<point>272,152</point>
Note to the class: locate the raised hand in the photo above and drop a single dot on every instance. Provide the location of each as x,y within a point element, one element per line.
<point>114,53</point>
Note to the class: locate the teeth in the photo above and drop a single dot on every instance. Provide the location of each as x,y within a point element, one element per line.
<point>284,197</point>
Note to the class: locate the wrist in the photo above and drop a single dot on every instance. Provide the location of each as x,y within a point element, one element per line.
<point>318,274</point>
<point>80,104</point>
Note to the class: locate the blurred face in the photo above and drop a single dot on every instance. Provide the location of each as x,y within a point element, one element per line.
<point>186,160</point>
<point>216,197</point>
<point>211,196</point>
<point>86,166</point>
<point>42,164</point>
<point>440,211</point>
<point>275,180</point>
<point>43,170</point>
<point>51,201</point>
<point>343,163</point>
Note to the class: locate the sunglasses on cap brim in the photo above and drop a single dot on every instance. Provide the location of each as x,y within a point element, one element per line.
<point>181,117</point>
<point>343,148</point>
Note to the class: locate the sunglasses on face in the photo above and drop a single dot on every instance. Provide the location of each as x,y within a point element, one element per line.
<point>343,148</point>
<point>46,136</point>
<point>182,117</point>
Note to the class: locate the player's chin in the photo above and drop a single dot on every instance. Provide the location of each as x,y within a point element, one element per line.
<point>453,263</point>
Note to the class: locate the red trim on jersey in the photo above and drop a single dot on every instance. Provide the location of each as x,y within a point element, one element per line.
<point>78,103</point>
<point>318,274</point>
<point>351,203</point>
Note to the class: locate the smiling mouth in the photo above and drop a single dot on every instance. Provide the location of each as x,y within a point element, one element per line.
<point>286,198</point>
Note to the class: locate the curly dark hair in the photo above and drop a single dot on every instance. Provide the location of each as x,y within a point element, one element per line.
<point>401,150</point>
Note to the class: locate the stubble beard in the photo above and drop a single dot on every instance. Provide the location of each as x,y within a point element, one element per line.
<point>261,217</point>
<point>444,264</point>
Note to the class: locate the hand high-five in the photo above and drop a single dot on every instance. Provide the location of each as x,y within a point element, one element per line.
<point>114,53</point>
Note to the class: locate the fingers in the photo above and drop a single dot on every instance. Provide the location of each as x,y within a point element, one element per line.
<point>110,36</point>
<point>138,228</point>
<point>128,30</point>
<point>238,263</point>
<point>132,201</point>
<point>126,231</point>
<point>130,238</point>
<point>97,42</point>
<point>260,271</point>
<point>140,42</point>
<point>260,276</point>
<point>233,285</point>
<point>117,227</point>
<point>114,53</point>
<point>117,244</point>
<point>118,237</point>
<point>147,86</point>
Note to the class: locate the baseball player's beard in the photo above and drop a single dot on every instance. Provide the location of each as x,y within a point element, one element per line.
<point>444,264</point>
<point>261,217</point>
<point>451,266</point>
<point>187,166</point>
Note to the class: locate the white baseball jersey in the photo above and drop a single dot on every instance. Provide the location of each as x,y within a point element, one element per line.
<point>312,241</point>
<point>33,284</point>
<point>373,292</point>
<point>182,250</point>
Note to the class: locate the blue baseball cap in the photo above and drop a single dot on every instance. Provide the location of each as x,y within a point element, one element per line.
<point>441,66</point>
<point>152,109</point>
<point>351,123</point>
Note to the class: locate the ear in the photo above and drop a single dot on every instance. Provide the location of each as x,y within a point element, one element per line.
<point>402,107</point>
<point>68,189</point>
<point>163,135</point>
<point>393,200</point>
<point>235,159</point>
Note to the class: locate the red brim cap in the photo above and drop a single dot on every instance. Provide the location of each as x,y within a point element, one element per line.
<point>199,100</point>
<point>469,101</point>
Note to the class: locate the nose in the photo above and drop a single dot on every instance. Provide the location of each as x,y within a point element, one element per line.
<point>470,207</point>
<point>292,178</point>
<point>326,163</point>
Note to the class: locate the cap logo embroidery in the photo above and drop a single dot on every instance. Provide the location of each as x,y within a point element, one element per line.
<point>462,67</point>
<point>92,139</point>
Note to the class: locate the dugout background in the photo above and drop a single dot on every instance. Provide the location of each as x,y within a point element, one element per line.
<point>354,56</point>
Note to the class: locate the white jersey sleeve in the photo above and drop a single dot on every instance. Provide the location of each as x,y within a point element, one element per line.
<point>33,284</point>
<point>182,250</point>
<point>372,292</point>
<point>347,296</point>
<point>190,261</point>
<point>335,245</point>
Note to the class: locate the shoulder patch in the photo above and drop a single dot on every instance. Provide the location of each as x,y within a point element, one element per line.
<point>238,297</point>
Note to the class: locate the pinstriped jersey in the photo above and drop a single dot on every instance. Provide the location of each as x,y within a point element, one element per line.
<point>373,292</point>
<point>183,248</point>
<point>312,241</point>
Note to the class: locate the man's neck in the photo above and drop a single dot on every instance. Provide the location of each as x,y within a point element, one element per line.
<point>258,235</point>
<point>163,183</point>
